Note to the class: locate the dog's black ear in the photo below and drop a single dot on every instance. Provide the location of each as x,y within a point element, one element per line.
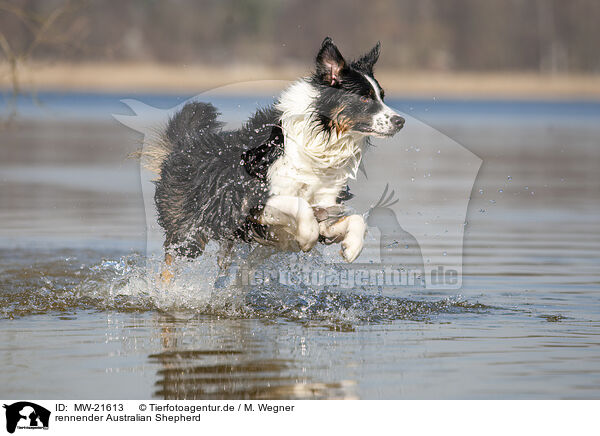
<point>368,60</point>
<point>330,63</point>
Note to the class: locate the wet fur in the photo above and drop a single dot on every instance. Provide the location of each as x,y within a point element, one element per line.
<point>215,184</point>
<point>204,192</point>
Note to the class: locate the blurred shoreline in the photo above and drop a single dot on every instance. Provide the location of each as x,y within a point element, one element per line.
<point>160,78</point>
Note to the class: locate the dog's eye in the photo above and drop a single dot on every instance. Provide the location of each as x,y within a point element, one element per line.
<point>364,99</point>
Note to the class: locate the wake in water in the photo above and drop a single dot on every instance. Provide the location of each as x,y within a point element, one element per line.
<point>63,283</point>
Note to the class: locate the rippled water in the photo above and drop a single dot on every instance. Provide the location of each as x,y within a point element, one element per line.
<point>83,314</point>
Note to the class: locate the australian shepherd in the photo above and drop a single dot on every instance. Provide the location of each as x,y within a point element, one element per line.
<point>281,178</point>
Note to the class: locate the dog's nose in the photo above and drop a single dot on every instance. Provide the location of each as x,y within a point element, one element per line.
<point>397,121</point>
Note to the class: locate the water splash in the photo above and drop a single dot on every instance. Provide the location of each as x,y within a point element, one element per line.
<point>132,283</point>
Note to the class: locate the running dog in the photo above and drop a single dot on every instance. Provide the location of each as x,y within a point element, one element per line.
<point>281,179</point>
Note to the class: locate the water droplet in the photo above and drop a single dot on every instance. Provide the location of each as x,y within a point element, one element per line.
<point>412,179</point>
<point>481,191</point>
<point>444,253</point>
<point>509,178</point>
<point>500,190</point>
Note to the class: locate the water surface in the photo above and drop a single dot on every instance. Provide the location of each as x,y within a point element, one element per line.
<point>81,317</point>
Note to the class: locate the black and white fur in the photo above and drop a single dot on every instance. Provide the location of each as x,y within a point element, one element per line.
<point>281,179</point>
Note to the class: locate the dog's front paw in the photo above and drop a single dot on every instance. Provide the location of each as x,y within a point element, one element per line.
<point>353,242</point>
<point>307,234</point>
<point>352,246</point>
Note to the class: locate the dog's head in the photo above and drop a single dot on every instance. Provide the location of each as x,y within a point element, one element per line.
<point>349,97</point>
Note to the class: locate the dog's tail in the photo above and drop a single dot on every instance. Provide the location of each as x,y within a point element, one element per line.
<point>183,130</point>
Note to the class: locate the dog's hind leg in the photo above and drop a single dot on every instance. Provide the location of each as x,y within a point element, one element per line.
<point>166,274</point>
<point>191,247</point>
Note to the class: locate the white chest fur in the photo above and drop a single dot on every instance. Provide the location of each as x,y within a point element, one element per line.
<point>315,166</point>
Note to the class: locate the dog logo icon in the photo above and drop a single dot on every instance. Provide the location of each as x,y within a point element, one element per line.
<point>426,178</point>
<point>26,415</point>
